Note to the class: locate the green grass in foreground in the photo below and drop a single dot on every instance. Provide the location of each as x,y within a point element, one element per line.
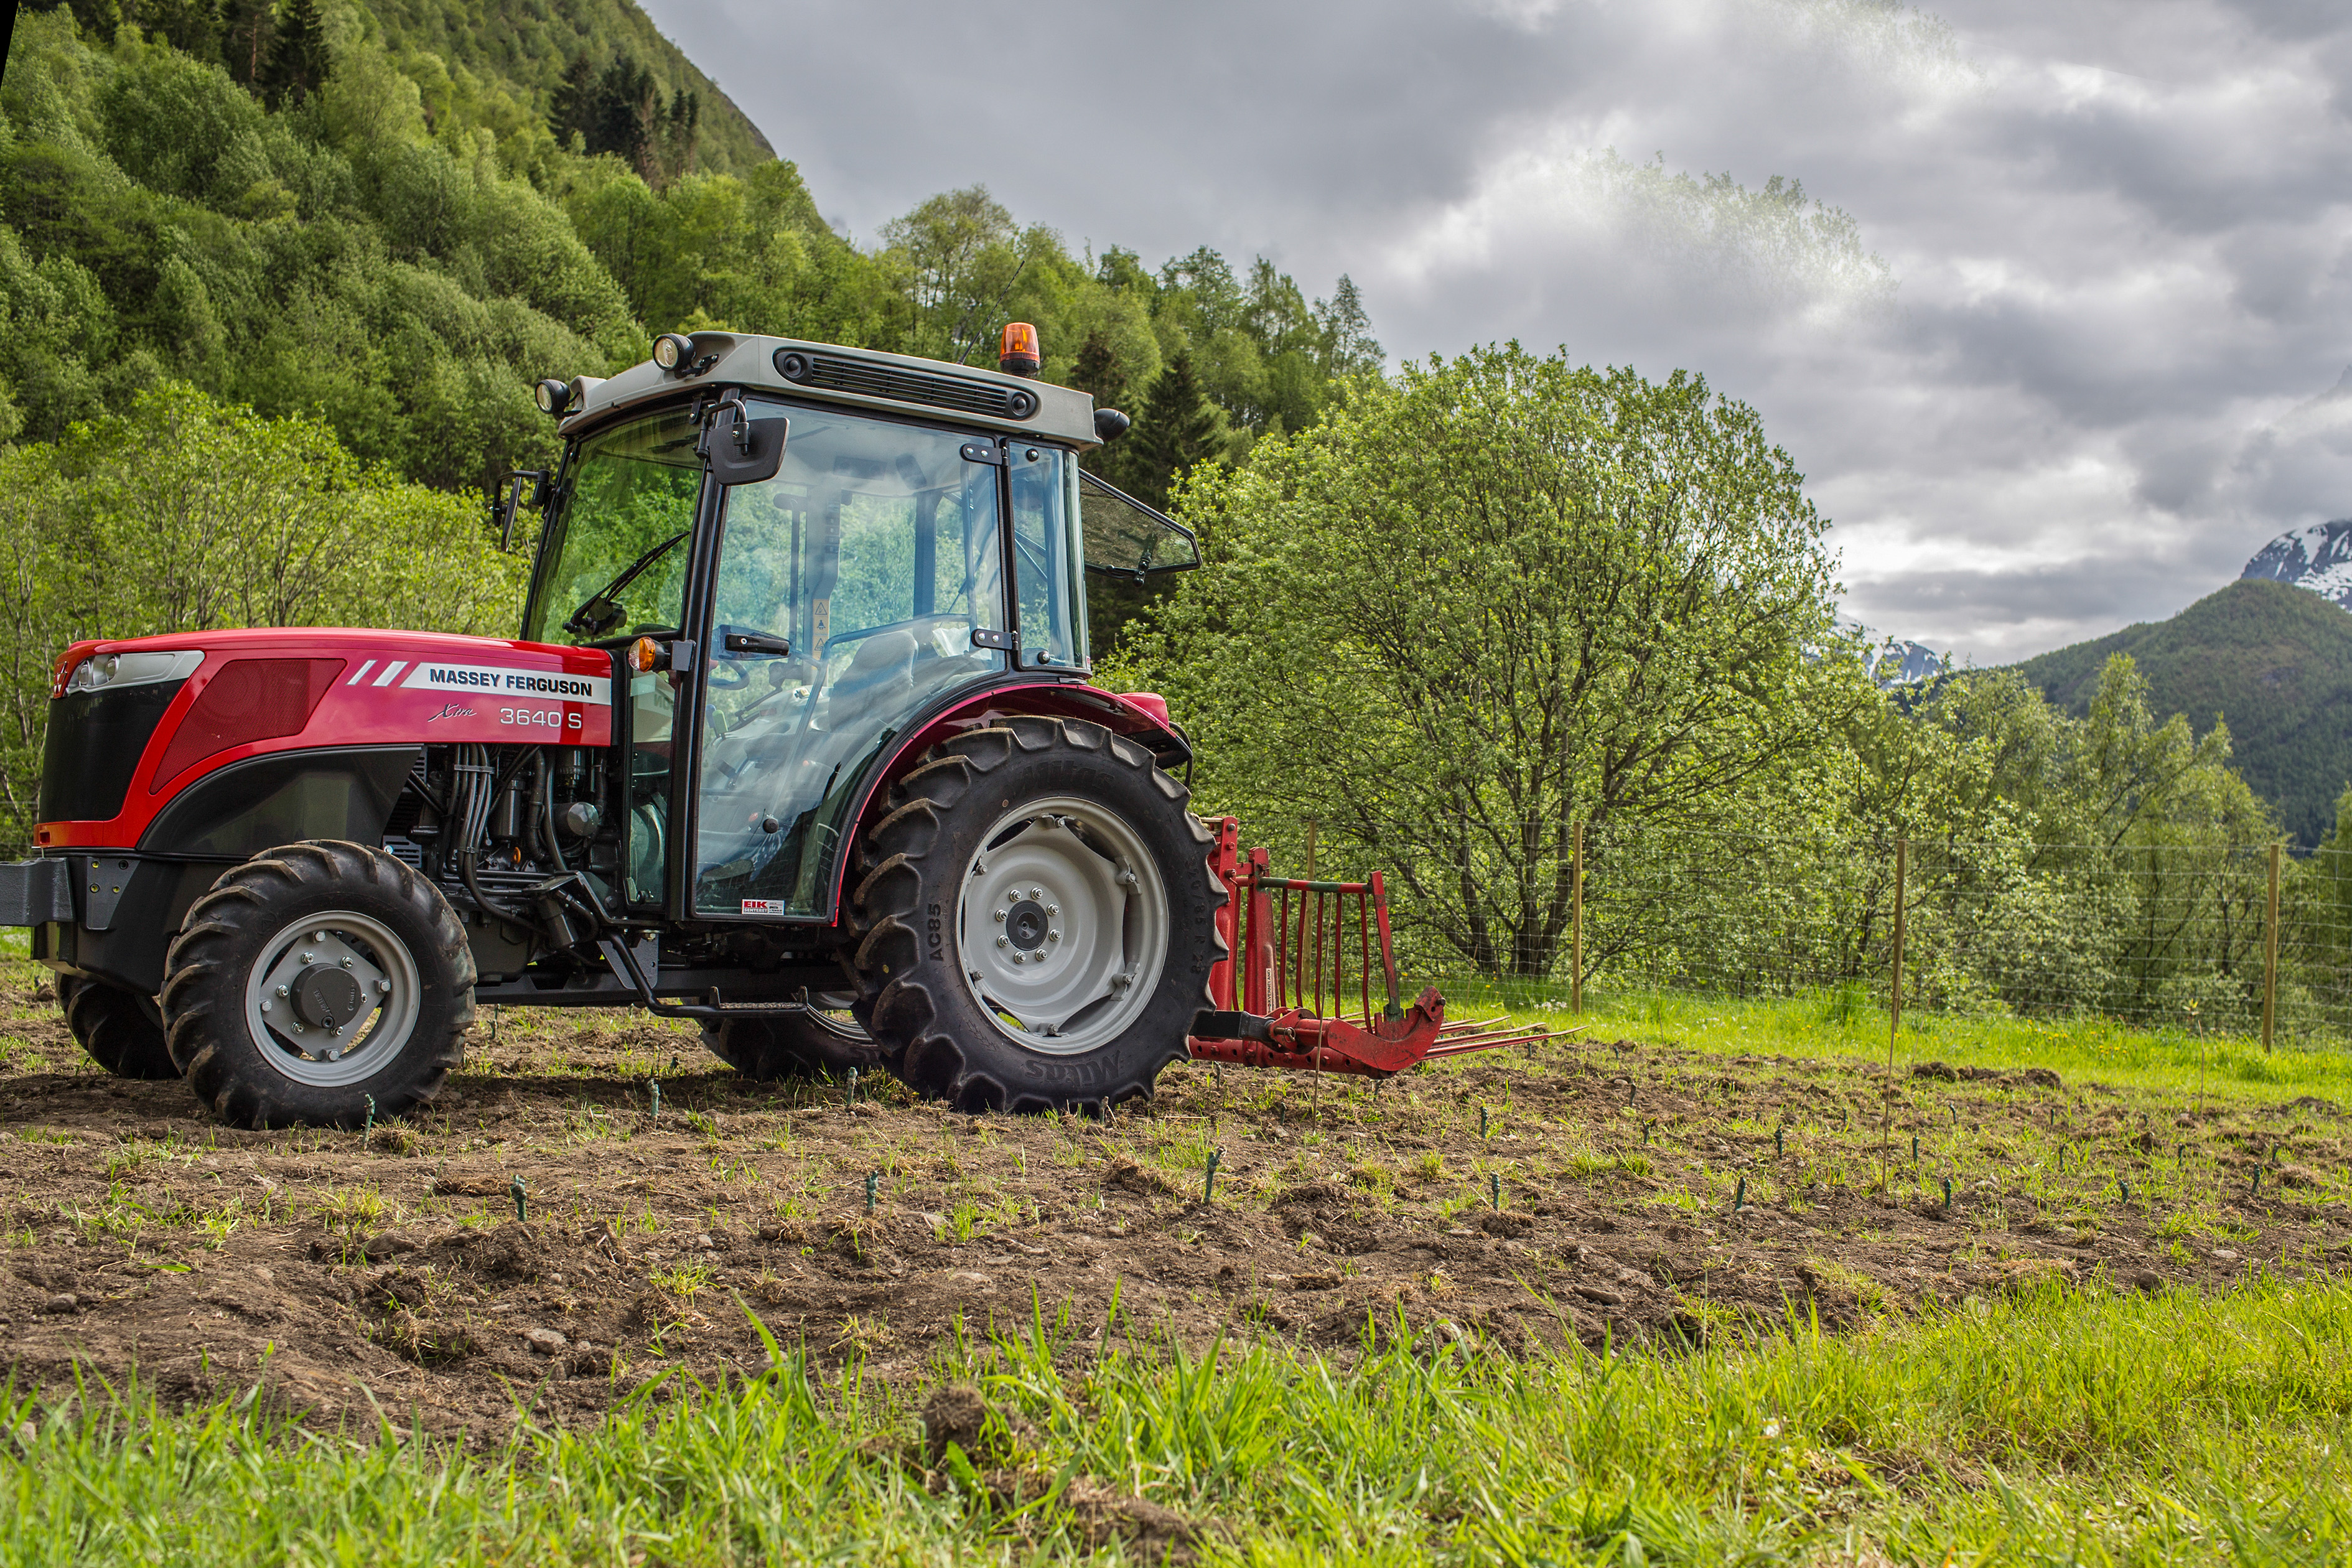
<point>2057,1427</point>
<point>1832,1025</point>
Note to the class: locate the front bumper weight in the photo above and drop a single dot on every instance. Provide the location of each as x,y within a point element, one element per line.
<point>37,892</point>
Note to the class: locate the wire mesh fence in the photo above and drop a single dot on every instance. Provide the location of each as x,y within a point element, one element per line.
<point>2229,938</point>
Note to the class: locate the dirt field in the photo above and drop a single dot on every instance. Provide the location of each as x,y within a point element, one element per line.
<point>391,1265</point>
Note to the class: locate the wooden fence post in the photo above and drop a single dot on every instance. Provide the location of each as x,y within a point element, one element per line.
<point>1576,926</point>
<point>2270,955</point>
<point>1895,1013</point>
<point>1895,1022</point>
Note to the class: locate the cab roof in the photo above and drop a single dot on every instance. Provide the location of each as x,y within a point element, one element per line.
<point>862,378</point>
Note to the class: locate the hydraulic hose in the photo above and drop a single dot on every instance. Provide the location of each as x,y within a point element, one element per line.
<point>544,813</point>
<point>479,793</point>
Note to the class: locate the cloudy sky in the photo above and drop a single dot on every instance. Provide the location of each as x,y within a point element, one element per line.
<point>2076,358</point>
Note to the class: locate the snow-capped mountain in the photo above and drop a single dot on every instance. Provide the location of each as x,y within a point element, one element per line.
<point>2319,558</point>
<point>1905,663</point>
<point>1896,661</point>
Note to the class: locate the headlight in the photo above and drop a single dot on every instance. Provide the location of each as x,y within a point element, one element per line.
<point>104,671</point>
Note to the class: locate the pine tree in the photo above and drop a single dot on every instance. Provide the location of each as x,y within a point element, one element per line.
<point>298,61</point>
<point>571,108</point>
<point>1177,429</point>
<point>248,28</point>
<point>1349,347</point>
<point>1096,372</point>
<point>191,26</point>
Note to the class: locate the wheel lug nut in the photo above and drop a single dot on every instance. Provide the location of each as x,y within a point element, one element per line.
<point>281,991</point>
<point>1036,893</point>
<point>1053,936</point>
<point>1004,941</point>
<point>308,956</point>
<point>997,915</point>
<point>1053,908</point>
<point>266,1005</point>
<point>384,987</point>
<point>347,963</point>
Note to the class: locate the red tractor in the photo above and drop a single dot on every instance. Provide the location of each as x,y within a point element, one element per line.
<point>798,741</point>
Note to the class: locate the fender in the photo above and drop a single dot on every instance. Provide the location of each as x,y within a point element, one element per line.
<point>1141,717</point>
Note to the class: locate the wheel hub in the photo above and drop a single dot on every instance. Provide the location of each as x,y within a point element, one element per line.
<point>1025,925</point>
<point>326,997</point>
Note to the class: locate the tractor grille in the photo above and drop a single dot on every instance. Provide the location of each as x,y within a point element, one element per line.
<point>867,378</point>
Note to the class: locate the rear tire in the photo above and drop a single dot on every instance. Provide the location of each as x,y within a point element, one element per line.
<point>122,1032</point>
<point>317,984</point>
<point>1114,949</point>
<point>794,1045</point>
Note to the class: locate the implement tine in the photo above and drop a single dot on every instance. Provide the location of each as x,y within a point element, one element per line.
<point>1460,1047</point>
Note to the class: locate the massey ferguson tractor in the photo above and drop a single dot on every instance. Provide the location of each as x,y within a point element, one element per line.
<point>798,741</point>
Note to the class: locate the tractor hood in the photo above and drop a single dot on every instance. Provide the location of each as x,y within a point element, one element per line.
<point>133,723</point>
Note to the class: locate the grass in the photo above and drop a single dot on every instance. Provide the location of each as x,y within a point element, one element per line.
<point>2058,1427</point>
<point>1828,1025</point>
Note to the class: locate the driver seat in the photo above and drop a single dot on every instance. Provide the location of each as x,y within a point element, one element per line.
<point>882,669</point>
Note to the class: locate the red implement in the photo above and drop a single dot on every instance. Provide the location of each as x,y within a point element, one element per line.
<point>1289,939</point>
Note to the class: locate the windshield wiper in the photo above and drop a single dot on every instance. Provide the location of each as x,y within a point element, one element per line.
<point>598,613</point>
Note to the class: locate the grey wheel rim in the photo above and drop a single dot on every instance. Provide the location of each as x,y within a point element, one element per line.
<point>333,999</point>
<point>1062,925</point>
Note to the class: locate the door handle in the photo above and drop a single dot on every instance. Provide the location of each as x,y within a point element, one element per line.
<point>757,642</point>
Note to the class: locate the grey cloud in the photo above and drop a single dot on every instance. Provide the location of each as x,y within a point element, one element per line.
<point>2120,236</point>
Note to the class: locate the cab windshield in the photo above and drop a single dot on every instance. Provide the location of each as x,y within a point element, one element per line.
<point>631,492</point>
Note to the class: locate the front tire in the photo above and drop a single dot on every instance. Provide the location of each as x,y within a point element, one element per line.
<point>1039,920</point>
<point>319,984</point>
<point>123,1032</point>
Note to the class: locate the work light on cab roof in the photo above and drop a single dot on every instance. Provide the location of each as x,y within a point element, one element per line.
<point>799,741</point>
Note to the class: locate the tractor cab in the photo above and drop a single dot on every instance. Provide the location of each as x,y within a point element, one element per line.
<point>802,556</point>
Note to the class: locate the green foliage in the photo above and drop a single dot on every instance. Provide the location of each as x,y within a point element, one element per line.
<point>182,514</point>
<point>329,258</point>
<point>2275,661</point>
<point>2101,1426</point>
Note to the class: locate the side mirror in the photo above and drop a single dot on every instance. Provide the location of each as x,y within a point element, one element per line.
<point>744,450</point>
<point>510,497</point>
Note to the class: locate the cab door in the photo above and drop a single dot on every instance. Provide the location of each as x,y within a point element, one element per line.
<point>859,586</point>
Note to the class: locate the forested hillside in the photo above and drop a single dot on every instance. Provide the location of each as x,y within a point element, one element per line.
<point>397,216</point>
<point>2274,661</point>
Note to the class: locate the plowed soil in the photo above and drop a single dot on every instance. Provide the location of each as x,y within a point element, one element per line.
<point>1620,1194</point>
